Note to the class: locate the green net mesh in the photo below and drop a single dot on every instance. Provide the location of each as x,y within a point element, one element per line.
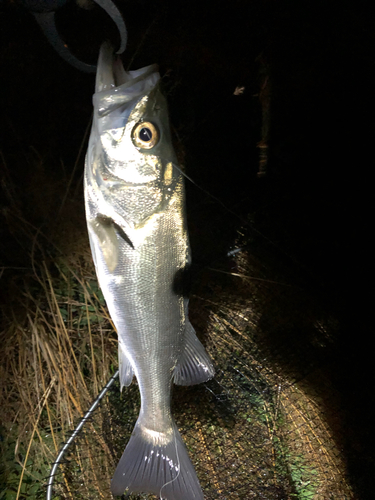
<point>266,426</point>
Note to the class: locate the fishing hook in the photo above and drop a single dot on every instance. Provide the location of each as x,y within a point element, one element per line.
<point>44,12</point>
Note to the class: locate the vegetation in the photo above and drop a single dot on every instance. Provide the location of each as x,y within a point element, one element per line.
<point>261,428</point>
<point>59,348</point>
<point>251,429</point>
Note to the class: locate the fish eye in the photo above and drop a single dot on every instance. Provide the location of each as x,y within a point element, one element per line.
<point>145,135</point>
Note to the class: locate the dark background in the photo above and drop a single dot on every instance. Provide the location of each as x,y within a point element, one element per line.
<point>314,202</point>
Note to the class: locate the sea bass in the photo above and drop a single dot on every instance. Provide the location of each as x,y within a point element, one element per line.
<point>135,210</point>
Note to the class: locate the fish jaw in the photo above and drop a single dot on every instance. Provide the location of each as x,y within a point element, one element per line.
<point>127,181</point>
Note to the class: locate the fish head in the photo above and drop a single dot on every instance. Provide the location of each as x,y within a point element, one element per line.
<point>130,155</point>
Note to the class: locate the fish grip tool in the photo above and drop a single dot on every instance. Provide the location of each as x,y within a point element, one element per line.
<point>45,13</point>
<point>70,440</point>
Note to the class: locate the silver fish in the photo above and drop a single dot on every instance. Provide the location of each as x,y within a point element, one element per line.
<point>135,210</point>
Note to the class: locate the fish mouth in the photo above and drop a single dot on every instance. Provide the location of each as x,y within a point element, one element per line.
<point>114,87</point>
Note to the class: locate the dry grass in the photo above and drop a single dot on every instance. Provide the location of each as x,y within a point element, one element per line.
<point>255,432</point>
<point>58,346</point>
<point>270,436</point>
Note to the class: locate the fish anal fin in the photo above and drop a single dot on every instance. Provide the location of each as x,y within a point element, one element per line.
<point>194,365</point>
<point>126,371</point>
<point>158,466</point>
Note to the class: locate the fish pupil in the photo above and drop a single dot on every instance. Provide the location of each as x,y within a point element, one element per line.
<point>145,134</point>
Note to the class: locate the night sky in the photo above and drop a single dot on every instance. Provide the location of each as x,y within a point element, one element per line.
<point>315,199</point>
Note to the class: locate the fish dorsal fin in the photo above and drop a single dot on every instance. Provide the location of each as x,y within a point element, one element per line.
<point>126,371</point>
<point>194,365</point>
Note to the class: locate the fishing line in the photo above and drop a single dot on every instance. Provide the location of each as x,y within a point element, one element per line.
<point>141,43</point>
<point>251,277</point>
<point>83,142</point>
<point>244,221</point>
<point>80,180</point>
<point>209,194</point>
<point>178,462</point>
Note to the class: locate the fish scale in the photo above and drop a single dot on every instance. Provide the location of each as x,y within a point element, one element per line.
<point>135,211</point>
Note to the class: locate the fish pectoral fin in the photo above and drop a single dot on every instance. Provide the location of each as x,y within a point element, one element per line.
<point>194,365</point>
<point>104,230</point>
<point>159,466</point>
<point>126,371</point>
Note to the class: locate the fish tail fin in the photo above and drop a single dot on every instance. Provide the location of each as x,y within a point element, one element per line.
<point>156,463</point>
<point>194,366</point>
